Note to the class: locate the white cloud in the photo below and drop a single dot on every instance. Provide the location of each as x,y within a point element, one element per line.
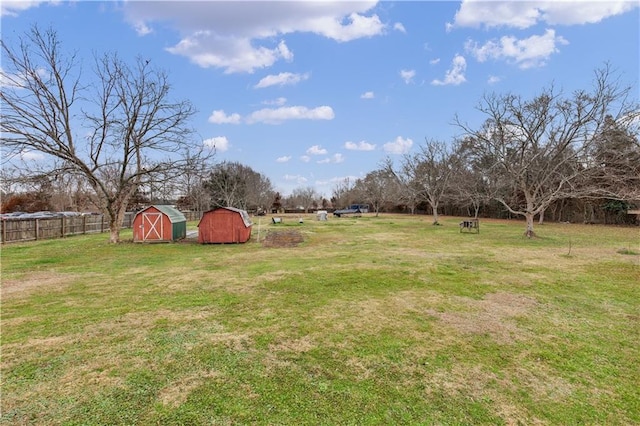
<point>220,143</point>
<point>316,150</point>
<point>220,117</point>
<point>524,14</point>
<point>338,158</point>
<point>334,159</point>
<point>23,155</point>
<point>399,27</point>
<point>15,81</point>
<point>583,12</point>
<point>358,26</point>
<point>407,75</point>
<point>434,61</point>
<point>238,38</point>
<point>399,146</point>
<point>305,158</point>
<point>300,180</point>
<point>282,79</point>
<point>278,101</point>
<point>274,115</point>
<point>19,81</point>
<point>367,95</point>
<point>27,155</point>
<point>526,53</point>
<point>493,79</point>
<point>283,159</point>
<point>359,146</point>
<point>142,29</point>
<point>455,75</point>
<point>206,49</point>
<point>278,115</point>
<point>14,7</point>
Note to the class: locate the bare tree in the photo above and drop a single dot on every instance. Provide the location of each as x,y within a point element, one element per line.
<point>616,159</point>
<point>409,192</point>
<point>10,183</point>
<point>36,194</point>
<point>539,147</point>
<point>305,197</point>
<point>260,192</point>
<point>191,184</point>
<point>232,184</point>
<point>426,174</point>
<point>379,187</point>
<point>227,185</point>
<point>343,193</point>
<point>469,185</point>
<point>131,130</point>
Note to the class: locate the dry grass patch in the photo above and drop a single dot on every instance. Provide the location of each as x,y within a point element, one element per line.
<point>372,315</point>
<point>28,283</point>
<point>176,393</point>
<point>492,316</point>
<point>16,353</point>
<point>564,254</point>
<point>301,345</point>
<point>477,384</point>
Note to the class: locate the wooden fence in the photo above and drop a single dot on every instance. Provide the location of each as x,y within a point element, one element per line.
<point>15,230</point>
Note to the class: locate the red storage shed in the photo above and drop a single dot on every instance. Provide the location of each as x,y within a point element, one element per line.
<point>159,224</point>
<point>224,225</point>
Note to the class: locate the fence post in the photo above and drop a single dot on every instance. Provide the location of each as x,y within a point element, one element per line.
<point>62,234</point>
<point>84,224</point>
<point>37,228</point>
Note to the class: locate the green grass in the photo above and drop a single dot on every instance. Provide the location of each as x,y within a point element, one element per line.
<point>371,320</point>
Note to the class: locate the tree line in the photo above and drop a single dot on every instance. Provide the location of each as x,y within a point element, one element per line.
<point>119,140</point>
<point>528,156</point>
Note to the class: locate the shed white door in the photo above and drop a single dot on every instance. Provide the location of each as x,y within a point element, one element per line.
<point>152,226</point>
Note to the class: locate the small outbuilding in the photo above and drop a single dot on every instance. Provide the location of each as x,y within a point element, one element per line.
<point>224,225</point>
<point>159,224</point>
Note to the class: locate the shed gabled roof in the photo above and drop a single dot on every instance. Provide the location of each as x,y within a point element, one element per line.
<point>174,215</point>
<point>243,214</point>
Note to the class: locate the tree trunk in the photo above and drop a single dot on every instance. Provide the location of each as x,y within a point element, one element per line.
<point>529,233</point>
<point>434,207</point>
<point>114,230</point>
<point>116,216</point>
<point>541,218</point>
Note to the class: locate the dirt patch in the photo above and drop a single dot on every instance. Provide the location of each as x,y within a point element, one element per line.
<point>290,238</point>
<point>491,316</point>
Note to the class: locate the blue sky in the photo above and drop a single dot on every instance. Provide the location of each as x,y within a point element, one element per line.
<point>311,93</point>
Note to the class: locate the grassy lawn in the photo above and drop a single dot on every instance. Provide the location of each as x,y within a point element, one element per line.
<point>371,320</point>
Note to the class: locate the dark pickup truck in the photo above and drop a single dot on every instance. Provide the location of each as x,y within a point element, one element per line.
<point>345,212</point>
